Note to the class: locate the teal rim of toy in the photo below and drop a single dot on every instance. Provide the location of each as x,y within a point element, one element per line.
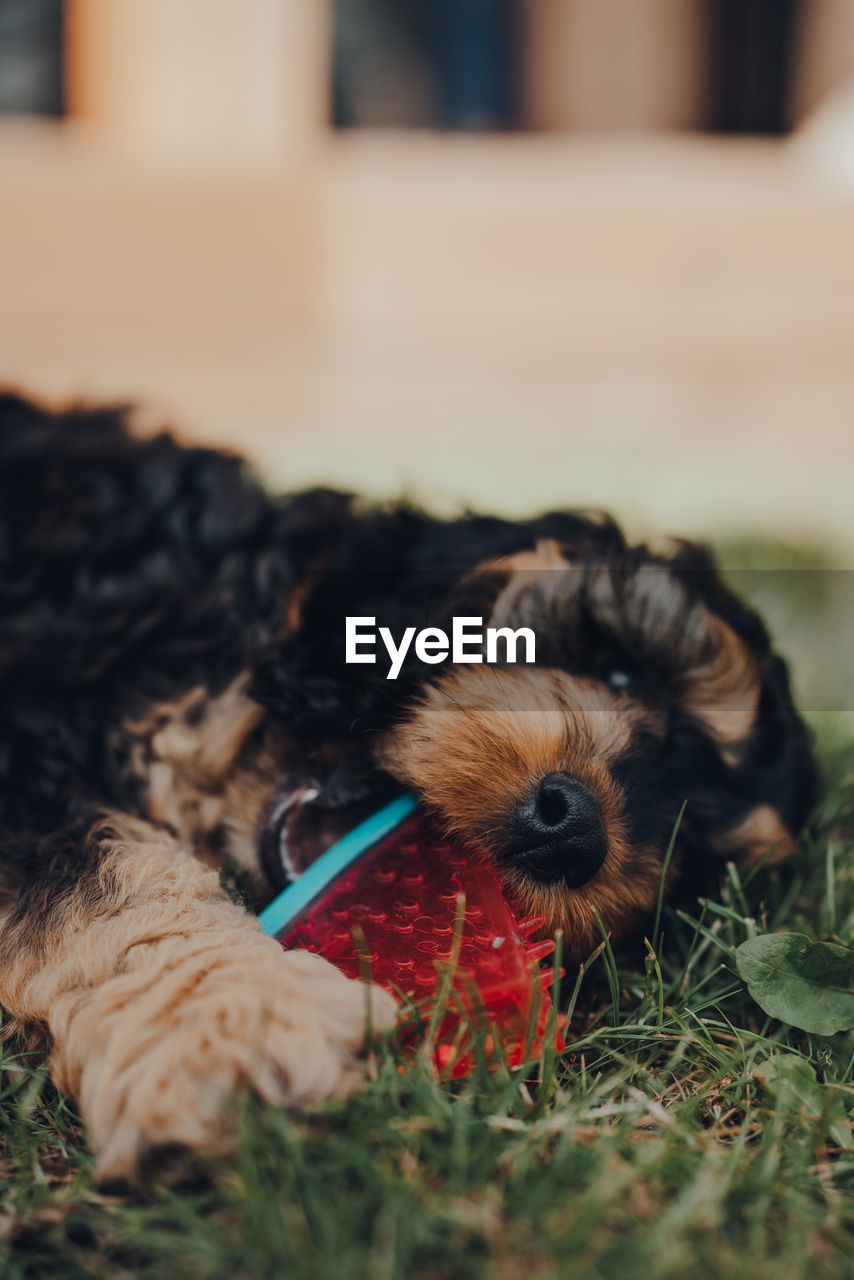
<point>291,901</point>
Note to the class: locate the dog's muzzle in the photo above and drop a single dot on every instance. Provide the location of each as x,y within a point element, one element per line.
<point>557,833</point>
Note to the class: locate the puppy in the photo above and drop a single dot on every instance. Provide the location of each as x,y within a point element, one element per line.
<point>176,701</point>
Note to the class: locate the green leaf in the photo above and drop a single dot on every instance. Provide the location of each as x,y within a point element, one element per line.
<point>807,984</point>
<point>791,1080</point>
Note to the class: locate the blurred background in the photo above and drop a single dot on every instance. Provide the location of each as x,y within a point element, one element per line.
<point>506,253</point>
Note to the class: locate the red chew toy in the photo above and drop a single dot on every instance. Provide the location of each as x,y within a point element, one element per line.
<point>412,900</point>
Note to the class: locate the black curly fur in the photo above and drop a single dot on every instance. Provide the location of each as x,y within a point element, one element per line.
<point>130,570</point>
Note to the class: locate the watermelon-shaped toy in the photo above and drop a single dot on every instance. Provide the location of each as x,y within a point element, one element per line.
<point>425,917</point>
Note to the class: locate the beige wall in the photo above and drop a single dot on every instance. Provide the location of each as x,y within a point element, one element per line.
<point>662,327</point>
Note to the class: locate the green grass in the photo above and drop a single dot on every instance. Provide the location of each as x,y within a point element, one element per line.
<point>658,1145</point>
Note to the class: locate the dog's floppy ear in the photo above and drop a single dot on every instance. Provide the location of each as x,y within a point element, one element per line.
<point>777,776</point>
<point>768,785</point>
<point>773,783</point>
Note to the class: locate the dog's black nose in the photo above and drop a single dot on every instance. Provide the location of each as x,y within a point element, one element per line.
<point>558,833</point>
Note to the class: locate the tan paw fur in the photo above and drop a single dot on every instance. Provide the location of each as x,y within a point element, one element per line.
<point>286,1025</point>
<point>158,998</point>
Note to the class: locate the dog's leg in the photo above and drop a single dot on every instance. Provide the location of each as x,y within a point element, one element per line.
<point>160,996</point>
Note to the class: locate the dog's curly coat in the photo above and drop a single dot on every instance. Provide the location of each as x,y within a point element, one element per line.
<point>174,697</point>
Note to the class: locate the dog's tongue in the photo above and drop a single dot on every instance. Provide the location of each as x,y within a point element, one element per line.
<point>301,828</point>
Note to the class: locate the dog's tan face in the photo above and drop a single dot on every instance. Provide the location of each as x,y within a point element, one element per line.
<point>571,774</point>
<point>523,765</point>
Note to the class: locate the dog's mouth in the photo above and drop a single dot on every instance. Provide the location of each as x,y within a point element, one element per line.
<point>302,824</point>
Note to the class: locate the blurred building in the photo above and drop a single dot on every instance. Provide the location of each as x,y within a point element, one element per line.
<point>502,252</point>
<point>738,66</point>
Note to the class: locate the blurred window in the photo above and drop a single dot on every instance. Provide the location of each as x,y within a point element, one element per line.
<point>442,63</point>
<point>720,65</point>
<point>31,57</point>
<point>751,63</point>
<point>489,64</point>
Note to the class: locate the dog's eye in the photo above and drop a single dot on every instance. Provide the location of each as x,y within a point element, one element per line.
<point>618,679</point>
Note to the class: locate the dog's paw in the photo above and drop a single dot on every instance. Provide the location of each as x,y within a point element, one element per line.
<point>286,1025</point>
